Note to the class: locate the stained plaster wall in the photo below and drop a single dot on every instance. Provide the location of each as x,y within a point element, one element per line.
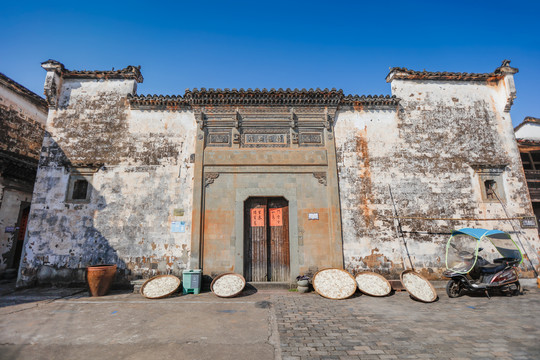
<point>21,134</point>
<point>424,150</point>
<point>143,172</point>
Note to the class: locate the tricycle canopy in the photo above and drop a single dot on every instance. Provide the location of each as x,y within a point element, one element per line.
<point>462,248</point>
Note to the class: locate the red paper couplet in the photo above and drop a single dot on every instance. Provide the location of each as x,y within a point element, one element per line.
<point>276,217</point>
<point>257,217</point>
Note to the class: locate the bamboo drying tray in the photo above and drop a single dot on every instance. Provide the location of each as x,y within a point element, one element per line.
<point>228,274</point>
<point>169,291</point>
<point>434,292</point>
<point>378,276</point>
<point>314,282</point>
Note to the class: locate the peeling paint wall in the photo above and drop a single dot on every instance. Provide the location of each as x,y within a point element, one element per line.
<point>142,174</point>
<point>427,150</point>
<point>22,120</point>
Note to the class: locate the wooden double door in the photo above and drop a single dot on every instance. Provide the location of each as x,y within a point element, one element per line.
<point>266,239</point>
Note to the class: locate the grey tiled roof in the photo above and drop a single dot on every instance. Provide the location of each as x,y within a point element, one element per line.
<point>241,97</point>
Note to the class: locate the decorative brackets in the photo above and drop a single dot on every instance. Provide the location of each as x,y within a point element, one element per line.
<point>201,120</point>
<point>321,176</point>
<point>327,120</point>
<point>293,120</point>
<point>237,119</point>
<point>295,138</point>
<point>209,178</point>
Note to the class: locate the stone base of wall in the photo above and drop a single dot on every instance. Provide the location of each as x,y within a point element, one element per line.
<point>47,275</point>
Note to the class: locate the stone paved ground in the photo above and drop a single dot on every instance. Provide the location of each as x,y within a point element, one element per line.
<point>67,324</point>
<point>397,327</point>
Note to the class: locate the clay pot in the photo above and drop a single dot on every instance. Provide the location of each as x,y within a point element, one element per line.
<point>100,278</point>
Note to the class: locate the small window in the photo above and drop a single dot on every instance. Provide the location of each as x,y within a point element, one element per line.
<point>491,181</point>
<point>492,188</point>
<point>79,188</point>
<point>526,161</point>
<point>535,156</point>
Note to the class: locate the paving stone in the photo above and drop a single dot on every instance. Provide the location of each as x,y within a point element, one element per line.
<point>398,327</point>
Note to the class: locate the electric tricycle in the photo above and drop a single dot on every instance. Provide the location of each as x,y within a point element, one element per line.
<point>470,272</point>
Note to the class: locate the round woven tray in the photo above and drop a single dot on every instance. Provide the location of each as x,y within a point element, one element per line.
<point>166,292</point>
<point>228,274</point>
<point>374,274</point>
<point>423,278</point>
<point>345,296</point>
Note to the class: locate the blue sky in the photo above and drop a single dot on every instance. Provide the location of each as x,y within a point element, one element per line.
<point>297,44</point>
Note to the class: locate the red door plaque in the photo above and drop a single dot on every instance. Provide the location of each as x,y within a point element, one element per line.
<point>276,218</point>
<point>257,217</point>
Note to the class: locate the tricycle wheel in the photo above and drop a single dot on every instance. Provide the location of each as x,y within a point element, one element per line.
<point>518,290</point>
<point>453,288</point>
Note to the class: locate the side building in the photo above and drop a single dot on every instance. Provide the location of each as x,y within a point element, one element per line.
<point>22,120</point>
<point>270,183</point>
<point>528,140</point>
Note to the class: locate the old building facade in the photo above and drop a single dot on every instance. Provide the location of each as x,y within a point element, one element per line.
<point>270,183</point>
<point>22,120</point>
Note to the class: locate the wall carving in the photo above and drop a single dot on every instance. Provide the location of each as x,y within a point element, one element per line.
<point>311,138</point>
<point>219,137</point>
<point>265,138</point>
<point>321,177</point>
<point>209,178</point>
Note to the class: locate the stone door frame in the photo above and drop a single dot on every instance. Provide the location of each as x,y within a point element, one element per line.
<point>245,193</point>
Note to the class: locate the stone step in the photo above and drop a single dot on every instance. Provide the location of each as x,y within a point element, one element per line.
<point>270,285</point>
<point>137,284</point>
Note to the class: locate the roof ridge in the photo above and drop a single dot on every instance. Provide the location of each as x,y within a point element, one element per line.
<point>129,72</point>
<point>402,73</point>
<point>527,120</point>
<point>22,90</point>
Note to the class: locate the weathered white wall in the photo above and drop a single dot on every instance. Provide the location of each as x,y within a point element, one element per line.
<point>425,151</point>
<point>144,173</point>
